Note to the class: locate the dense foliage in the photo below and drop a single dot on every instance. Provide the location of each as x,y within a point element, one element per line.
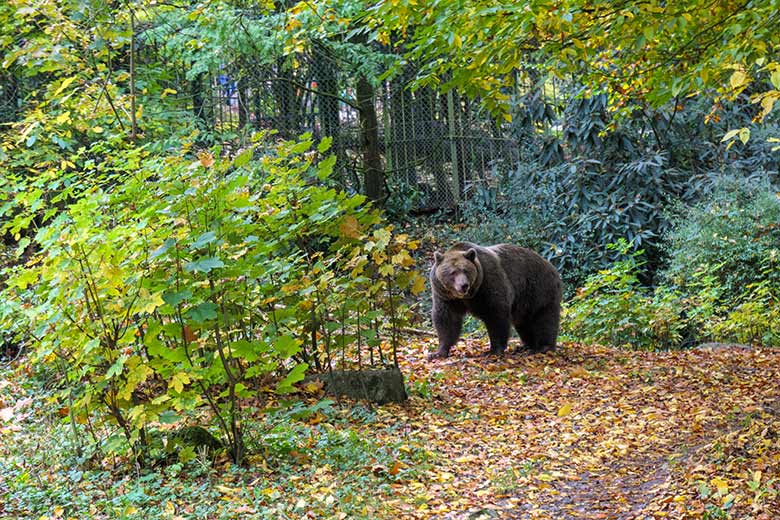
<point>646,53</point>
<point>193,280</point>
<point>711,304</point>
<point>732,235</point>
<point>304,458</point>
<point>613,308</point>
<point>599,180</point>
<point>613,131</point>
<point>720,282</point>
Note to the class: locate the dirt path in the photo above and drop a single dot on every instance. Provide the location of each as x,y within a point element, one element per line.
<point>590,432</point>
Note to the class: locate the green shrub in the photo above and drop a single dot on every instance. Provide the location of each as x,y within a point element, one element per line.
<point>198,283</point>
<point>613,308</point>
<point>521,209</point>
<point>733,235</point>
<point>570,212</point>
<point>754,320</point>
<point>724,254</point>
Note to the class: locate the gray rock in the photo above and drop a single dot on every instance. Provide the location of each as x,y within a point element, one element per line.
<point>378,386</point>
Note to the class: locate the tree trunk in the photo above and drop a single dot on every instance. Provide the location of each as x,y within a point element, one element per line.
<point>242,98</point>
<point>373,175</point>
<point>199,109</point>
<point>287,115</point>
<point>133,122</point>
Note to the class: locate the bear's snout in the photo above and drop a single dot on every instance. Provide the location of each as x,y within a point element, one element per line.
<point>461,285</point>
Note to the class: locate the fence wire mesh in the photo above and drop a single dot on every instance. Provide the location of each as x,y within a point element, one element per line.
<point>426,149</point>
<point>10,96</point>
<point>434,149</point>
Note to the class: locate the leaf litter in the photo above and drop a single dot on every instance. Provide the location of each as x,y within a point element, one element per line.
<point>582,432</point>
<point>594,432</point>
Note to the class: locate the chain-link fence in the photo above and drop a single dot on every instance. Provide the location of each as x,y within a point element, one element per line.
<point>10,94</point>
<point>431,150</point>
<point>424,149</point>
<point>440,147</point>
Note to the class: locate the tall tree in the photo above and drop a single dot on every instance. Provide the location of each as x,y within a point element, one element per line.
<point>640,52</point>
<point>373,174</point>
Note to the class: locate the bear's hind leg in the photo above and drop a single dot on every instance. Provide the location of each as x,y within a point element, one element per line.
<point>498,331</point>
<point>526,333</point>
<point>546,323</point>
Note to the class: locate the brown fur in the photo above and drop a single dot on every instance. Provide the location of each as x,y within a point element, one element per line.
<point>502,285</point>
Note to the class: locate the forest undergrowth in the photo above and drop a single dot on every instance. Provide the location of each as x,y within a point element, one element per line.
<point>584,432</point>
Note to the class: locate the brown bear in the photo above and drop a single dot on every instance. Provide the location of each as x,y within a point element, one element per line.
<point>502,285</point>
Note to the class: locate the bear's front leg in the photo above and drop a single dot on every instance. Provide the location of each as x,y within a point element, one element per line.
<point>498,330</point>
<point>448,323</point>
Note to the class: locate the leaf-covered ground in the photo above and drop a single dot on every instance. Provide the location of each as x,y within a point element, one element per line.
<point>591,432</point>
<point>584,432</point>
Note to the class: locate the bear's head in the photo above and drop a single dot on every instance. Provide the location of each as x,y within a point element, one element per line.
<point>457,272</point>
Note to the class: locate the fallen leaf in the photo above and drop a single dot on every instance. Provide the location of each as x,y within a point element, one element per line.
<point>564,410</point>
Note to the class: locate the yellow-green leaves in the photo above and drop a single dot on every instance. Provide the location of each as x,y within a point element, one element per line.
<point>324,145</point>
<point>774,76</point>
<point>721,486</point>
<point>116,369</point>
<point>190,289</point>
<point>564,410</point>
<point>642,52</point>
<point>203,265</point>
<point>767,101</point>
<point>137,373</point>
<point>742,133</point>
<point>65,83</point>
<point>738,79</point>
<point>325,167</point>
<point>178,381</point>
<point>295,375</point>
<point>243,158</point>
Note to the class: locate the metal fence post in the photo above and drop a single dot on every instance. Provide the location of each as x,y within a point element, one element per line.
<point>453,147</point>
<point>389,163</point>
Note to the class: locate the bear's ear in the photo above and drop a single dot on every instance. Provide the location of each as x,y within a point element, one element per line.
<point>437,257</point>
<point>471,254</point>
